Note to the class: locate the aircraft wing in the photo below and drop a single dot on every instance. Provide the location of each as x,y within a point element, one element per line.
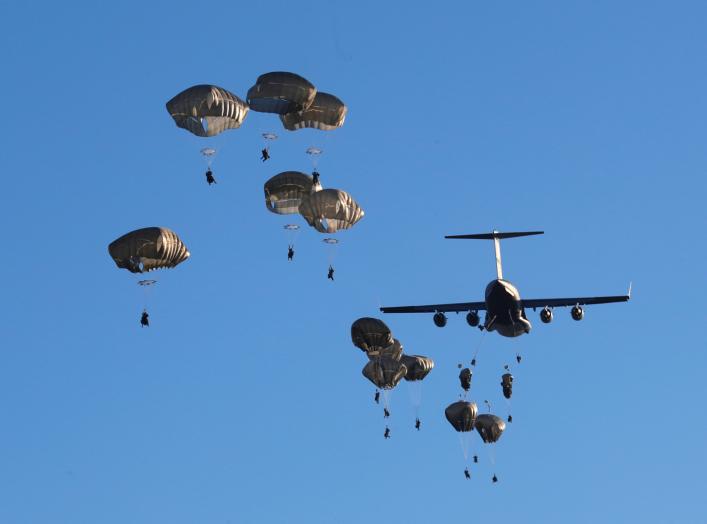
<point>434,308</point>
<point>582,301</point>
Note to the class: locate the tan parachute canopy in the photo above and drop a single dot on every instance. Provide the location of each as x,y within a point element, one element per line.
<point>326,113</point>
<point>280,92</point>
<point>465,379</point>
<point>384,372</point>
<point>330,210</point>
<point>507,384</point>
<point>207,110</point>
<point>461,415</point>
<point>490,427</point>
<point>369,334</point>
<point>394,351</point>
<point>149,248</point>
<point>418,366</point>
<point>284,192</point>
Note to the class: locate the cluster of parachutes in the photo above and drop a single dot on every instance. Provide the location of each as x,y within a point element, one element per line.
<point>387,365</point>
<point>207,110</point>
<point>326,210</point>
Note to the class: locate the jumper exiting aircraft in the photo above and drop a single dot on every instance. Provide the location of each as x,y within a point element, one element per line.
<point>505,310</point>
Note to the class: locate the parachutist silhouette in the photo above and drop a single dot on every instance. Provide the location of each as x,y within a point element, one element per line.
<point>387,432</point>
<point>145,319</point>
<point>476,459</point>
<point>518,358</point>
<point>386,413</point>
<point>467,474</point>
<point>510,418</point>
<point>315,178</point>
<point>330,275</point>
<point>210,177</point>
<point>417,424</point>
<point>377,397</point>
<point>495,478</point>
<point>290,252</point>
<point>473,361</point>
<point>264,154</point>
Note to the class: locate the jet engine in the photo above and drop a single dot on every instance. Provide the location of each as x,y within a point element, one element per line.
<point>440,319</point>
<point>546,315</point>
<point>472,318</point>
<point>577,313</point>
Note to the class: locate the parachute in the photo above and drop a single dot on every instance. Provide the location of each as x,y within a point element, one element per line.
<point>384,372</point>
<point>284,192</point>
<point>207,110</point>
<point>465,379</point>
<point>418,366</point>
<point>147,249</point>
<point>330,210</point>
<point>507,383</point>
<point>461,415</point>
<point>370,334</point>
<point>326,113</point>
<point>394,351</point>
<point>281,93</point>
<point>490,427</point>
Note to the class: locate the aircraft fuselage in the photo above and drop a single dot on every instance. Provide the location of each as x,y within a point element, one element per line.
<point>504,310</point>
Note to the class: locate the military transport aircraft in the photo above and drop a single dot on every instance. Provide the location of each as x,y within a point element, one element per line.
<point>505,310</point>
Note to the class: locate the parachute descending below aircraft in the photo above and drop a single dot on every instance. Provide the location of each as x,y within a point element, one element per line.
<point>418,367</point>
<point>370,334</point>
<point>281,92</point>
<point>326,113</point>
<point>148,249</point>
<point>385,372</point>
<point>207,110</point>
<point>330,210</point>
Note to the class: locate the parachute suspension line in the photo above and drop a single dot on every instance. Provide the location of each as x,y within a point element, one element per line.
<point>464,443</point>
<point>478,348</point>
<point>415,390</point>
<point>386,399</point>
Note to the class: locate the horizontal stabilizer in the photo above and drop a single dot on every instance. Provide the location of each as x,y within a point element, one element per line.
<point>496,235</point>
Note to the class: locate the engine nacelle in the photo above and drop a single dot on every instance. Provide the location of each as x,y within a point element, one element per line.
<point>472,318</point>
<point>440,319</point>
<point>546,315</point>
<point>577,313</point>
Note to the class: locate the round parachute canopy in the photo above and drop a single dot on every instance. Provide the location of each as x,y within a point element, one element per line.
<point>207,110</point>
<point>314,151</point>
<point>384,372</point>
<point>330,210</point>
<point>331,241</point>
<point>461,415</point>
<point>281,93</point>
<point>208,152</point>
<point>418,366</point>
<point>369,334</point>
<point>490,427</point>
<point>147,249</point>
<point>291,227</point>
<point>465,379</point>
<point>394,351</point>
<point>269,136</point>
<point>146,283</point>
<point>284,192</point>
<point>326,113</point>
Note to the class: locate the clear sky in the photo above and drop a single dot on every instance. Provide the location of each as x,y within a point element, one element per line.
<point>244,401</point>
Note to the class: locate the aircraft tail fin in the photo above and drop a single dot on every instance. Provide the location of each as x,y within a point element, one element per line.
<point>496,236</point>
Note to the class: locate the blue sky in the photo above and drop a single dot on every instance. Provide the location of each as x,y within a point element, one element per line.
<point>244,401</point>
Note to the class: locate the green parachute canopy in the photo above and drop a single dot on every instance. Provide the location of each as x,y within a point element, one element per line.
<point>461,415</point>
<point>281,92</point>
<point>207,110</point>
<point>326,113</point>
<point>147,249</point>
